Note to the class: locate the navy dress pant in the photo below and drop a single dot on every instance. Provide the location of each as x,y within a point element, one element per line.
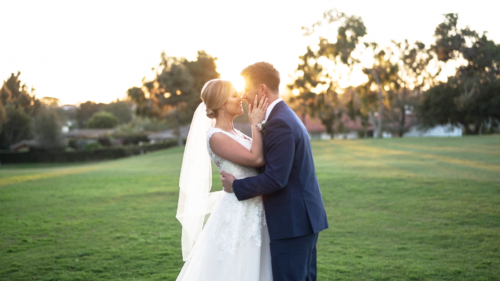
<point>294,259</point>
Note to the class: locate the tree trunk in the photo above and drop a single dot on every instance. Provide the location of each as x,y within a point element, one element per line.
<point>402,122</point>
<point>478,128</point>
<point>371,119</point>
<point>402,119</point>
<point>468,131</point>
<point>380,106</point>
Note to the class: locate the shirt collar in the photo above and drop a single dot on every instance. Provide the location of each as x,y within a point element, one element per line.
<point>271,106</point>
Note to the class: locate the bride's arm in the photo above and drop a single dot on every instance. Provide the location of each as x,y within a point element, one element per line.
<point>229,149</point>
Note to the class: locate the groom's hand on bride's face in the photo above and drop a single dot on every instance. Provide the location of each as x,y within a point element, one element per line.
<point>227,181</point>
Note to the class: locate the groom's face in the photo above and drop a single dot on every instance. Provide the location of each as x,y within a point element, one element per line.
<point>252,91</point>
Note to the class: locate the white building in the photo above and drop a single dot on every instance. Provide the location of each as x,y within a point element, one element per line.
<point>438,131</point>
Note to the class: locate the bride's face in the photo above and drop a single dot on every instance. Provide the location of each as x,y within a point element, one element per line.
<point>234,104</point>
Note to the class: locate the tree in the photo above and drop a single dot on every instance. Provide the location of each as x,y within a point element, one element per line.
<point>50,101</point>
<point>17,95</point>
<point>171,92</point>
<point>381,76</point>
<point>203,69</point>
<point>3,116</point>
<point>358,104</point>
<point>48,129</point>
<point>349,32</point>
<point>329,110</point>
<point>311,98</point>
<point>120,109</point>
<point>480,109</point>
<point>85,111</point>
<point>144,106</point>
<point>309,76</point>
<point>174,93</point>
<point>18,127</point>
<point>102,120</point>
<point>314,88</point>
<point>412,77</point>
<point>18,105</point>
<point>472,93</point>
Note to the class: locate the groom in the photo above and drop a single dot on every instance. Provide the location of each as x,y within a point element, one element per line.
<point>292,199</point>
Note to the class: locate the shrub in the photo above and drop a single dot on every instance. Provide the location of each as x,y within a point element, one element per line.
<point>132,139</point>
<point>81,156</point>
<point>48,129</point>
<point>121,109</point>
<point>102,120</point>
<point>105,141</point>
<point>91,146</point>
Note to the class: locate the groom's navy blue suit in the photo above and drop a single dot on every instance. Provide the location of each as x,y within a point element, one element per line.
<point>292,199</point>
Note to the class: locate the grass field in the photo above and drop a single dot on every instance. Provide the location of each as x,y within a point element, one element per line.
<point>399,209</point>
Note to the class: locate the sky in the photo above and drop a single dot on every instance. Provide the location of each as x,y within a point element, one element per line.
<point>95,50</point>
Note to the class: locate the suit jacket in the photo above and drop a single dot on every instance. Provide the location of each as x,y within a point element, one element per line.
<point>288,183</point>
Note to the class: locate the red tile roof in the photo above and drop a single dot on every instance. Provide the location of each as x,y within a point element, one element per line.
<point>315,126</point>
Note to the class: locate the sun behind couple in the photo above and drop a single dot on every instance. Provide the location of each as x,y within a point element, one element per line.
<point>265,224</point>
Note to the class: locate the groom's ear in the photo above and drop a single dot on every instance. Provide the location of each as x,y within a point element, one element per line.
<point>263,89</point>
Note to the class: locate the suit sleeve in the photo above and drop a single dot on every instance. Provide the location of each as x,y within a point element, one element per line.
<point>279,159</point>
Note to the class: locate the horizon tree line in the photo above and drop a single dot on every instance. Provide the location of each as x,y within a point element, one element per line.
<point>402,78</point>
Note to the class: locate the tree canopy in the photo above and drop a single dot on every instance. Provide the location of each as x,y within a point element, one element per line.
<point>403,79</point>
<point>470,97</point>
<point>175,91</point>
<point>48,129</point>
<point>120,109</point>
<point>102,120</point>
<point>18,105</point>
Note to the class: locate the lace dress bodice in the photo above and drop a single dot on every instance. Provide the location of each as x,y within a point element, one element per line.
<point>227,166</point>
<point>234,221</point>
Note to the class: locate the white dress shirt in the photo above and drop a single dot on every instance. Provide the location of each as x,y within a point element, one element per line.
<point>271,106</point>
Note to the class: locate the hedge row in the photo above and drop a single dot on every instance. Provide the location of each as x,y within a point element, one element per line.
<point>80,156</point>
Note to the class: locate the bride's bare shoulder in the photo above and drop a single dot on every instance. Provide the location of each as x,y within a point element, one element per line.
<point>219,138</point>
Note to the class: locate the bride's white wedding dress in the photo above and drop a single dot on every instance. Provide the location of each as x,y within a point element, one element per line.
<point>234,243</point>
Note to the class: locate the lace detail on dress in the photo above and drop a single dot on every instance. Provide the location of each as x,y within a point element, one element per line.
<point>235,221</point>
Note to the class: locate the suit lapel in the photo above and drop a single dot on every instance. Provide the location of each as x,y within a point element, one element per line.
<point>275,109</point>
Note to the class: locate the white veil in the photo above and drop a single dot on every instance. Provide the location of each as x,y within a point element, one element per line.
<point>195,199</point>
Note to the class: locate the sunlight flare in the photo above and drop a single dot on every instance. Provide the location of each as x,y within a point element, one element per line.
<point>237,80</point>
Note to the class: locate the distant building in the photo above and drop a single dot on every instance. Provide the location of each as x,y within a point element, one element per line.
<point>69,107</point>
<point>354,129</point>
<point>88,133</point>
<point>168,135</point>
<point>24,146</point>
<point>438,131</point>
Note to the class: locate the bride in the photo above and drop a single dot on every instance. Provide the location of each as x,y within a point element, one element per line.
<point>234,243</point>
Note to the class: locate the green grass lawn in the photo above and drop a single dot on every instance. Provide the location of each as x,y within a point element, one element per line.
<point>399,209</point>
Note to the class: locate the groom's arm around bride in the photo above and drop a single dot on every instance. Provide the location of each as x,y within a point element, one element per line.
<point>288,181</point>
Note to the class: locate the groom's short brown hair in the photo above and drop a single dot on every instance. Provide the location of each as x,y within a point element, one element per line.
<point>263,73</point>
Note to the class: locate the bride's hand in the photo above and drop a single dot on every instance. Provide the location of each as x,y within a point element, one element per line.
<point>257,111</point>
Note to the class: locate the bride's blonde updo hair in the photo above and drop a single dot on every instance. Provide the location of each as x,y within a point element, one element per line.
<point>215,94</point>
